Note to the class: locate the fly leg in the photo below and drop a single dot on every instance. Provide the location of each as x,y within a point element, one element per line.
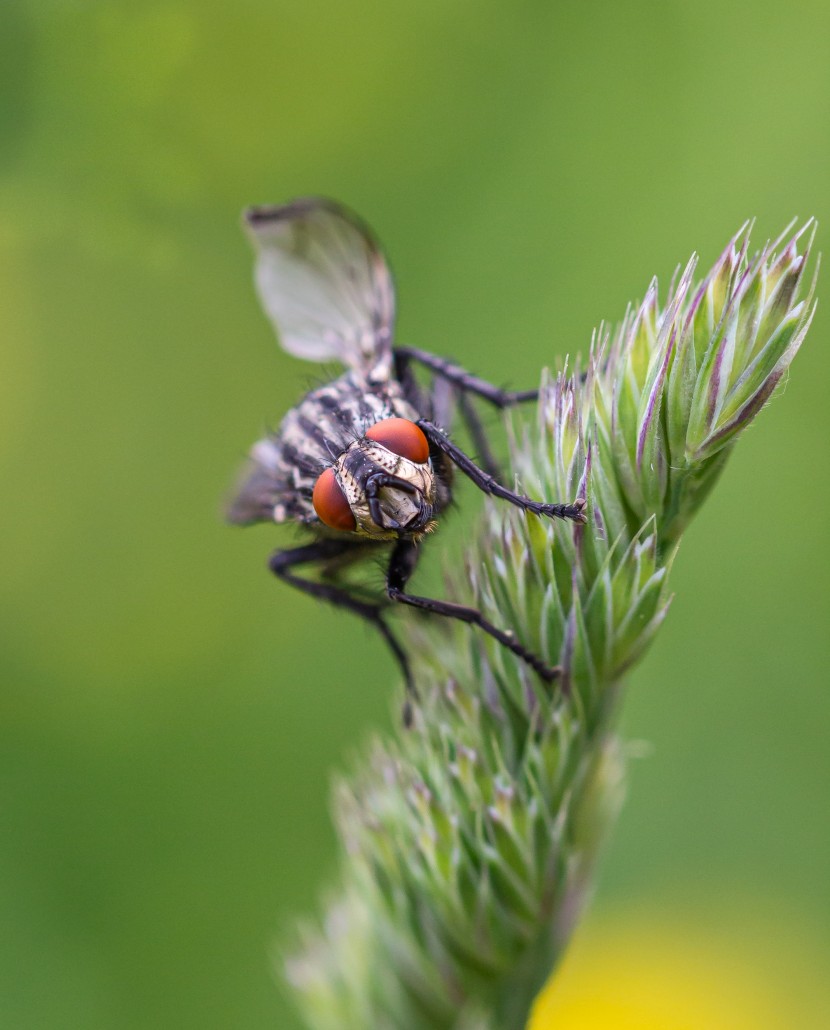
<point>374,484</point>
<point>489,485</point>
<point>464,384</point>
<point>483,451</point>
<point>402,565</point>
<point>281,564</point>
<point>463,380</point>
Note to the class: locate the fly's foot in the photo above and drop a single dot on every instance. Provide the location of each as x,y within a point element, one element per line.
<point>574,512</point>
<point>547,673</point>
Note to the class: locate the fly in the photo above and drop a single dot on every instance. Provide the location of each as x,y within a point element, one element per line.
<point>363,462</point>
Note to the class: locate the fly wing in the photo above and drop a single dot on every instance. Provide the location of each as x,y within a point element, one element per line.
<point>278,483</point>
<point>275,486</point>
<point>324,283</point>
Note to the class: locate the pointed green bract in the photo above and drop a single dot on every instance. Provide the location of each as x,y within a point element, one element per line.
<point>469,841</point>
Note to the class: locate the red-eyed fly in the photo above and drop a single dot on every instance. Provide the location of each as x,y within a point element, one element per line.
<point>364,463</point>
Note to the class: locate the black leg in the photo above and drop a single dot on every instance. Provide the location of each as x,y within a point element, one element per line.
<point>483,451</point>
<point>322,551</point>
<point>401,567</point>
<point>463,384</point>
<point>464,380</point>
<point>374,484</point>
<point>485,482</point>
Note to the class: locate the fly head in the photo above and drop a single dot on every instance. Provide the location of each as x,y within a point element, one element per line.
<point>383,486</point>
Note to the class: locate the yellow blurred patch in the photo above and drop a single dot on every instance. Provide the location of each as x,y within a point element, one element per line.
<point>676,973</point>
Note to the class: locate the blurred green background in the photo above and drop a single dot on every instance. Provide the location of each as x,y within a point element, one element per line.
<point>170,715</point>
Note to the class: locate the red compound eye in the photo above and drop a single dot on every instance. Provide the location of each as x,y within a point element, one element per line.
<point>401,437</point>
<point>330,503</point>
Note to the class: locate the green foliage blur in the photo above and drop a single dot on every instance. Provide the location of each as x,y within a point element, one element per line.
<point>170,715</point>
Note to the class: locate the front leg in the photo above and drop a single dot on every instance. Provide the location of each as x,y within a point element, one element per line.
<point>485,482</point>
<point>402,565</point>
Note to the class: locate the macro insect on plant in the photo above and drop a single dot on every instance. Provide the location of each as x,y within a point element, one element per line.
<point>363,462</point>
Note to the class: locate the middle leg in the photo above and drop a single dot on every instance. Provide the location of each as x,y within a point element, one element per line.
<point>320,554</point>
<point>462,379</point>
<point>464,384</point>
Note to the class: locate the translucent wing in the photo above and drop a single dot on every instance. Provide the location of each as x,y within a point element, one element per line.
<point>324,283</point>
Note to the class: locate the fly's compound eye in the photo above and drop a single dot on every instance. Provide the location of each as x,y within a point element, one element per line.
<point>401,437</point>
<point>330,503</point>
